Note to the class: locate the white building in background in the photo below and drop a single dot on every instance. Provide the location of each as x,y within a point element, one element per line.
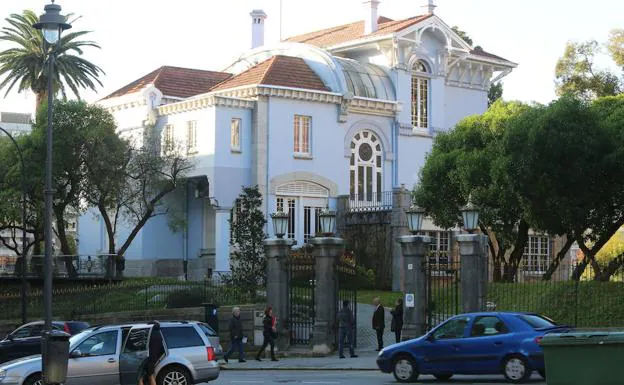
<point>349,110</point>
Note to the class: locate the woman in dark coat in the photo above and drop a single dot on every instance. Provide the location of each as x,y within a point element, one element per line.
<point>397,319</point>
<point>269,332</point>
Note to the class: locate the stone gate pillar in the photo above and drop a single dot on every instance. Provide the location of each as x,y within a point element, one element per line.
<point>414,248</point>
<point>473,271</point>
<point>277,252</point>
<point>327,251</point>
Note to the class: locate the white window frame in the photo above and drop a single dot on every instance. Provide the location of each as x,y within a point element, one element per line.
<point>440,248</point>
<point>421,119</point>
<point>302,146</point>
<point>235,134</point>
<point>536,256</point>
<point>361,168</point>
<point>168,138</point>
<point>191,136</point>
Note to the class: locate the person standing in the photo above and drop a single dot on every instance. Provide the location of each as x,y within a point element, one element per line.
<point>236,336</point>
<point>269,332</point>
<point>397,319</point>
<point>346,326</point>
<point>154,353</point>
<point>379,323</point>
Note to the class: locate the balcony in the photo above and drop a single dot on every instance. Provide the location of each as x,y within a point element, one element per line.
<point>380,201</point>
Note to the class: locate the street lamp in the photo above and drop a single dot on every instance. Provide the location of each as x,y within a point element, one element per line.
<point>51,24</point>
<point>328,222</point>
<point>415,216</point>
<point>470,215</point>
<point>280,223</point>
<point>23,220</point>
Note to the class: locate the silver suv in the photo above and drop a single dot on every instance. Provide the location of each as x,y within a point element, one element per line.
<point>112,355</point>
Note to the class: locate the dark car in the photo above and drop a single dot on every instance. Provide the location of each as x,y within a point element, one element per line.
<point>26,340</point>
<point>477,343</point>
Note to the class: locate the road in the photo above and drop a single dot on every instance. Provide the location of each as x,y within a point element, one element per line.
<point>341,378</point>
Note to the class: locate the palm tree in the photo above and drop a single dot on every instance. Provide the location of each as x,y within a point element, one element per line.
<point>25,64</point>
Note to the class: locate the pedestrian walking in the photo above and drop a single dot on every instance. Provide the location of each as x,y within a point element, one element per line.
<point>269,332</point>
<point>379,322</point>
<point>397,319</point>
<point>236,336</point>
<point>154,353</point>
<point>346,327</point>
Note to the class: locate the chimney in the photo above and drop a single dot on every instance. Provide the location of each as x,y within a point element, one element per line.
<point>429,7</point>
<point>370,16</point>
<point>257,28</point>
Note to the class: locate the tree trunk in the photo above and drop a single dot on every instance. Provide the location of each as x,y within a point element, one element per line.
<point>110,233</point>
<point>614,265</point>
<point>554,264</point>
<point>40,98</point>
<point>66,252</point>
<point>511,267</point>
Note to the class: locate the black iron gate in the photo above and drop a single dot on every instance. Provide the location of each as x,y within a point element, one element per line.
<point>301,283</point>
<point>443,294</point>
<point>347,289</point>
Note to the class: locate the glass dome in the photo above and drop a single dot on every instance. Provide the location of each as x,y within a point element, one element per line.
<point>367,80</point>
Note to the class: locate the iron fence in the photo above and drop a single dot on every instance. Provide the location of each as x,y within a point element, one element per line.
<point>301,286</point>
<point>81,266</point>
<point>130,295</point>
<point>443,291</point>
<point>374,201</point>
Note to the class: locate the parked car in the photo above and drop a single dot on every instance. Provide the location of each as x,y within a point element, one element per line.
<point>112,355</point>
<point>477,343</point>
<point>26,340</point>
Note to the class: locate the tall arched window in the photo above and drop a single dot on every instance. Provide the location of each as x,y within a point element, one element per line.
<point>420,95</point>
<point>366,167</point>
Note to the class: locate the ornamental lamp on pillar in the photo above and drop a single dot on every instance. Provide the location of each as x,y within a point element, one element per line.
<point>328,222</point>
<point>52,23</point>
<point>415,217</point>
<point>470,216</point>
<point>280,223</point>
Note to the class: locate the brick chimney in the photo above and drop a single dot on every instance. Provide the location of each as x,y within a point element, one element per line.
<point>370,16</point>
<point>257,28</point>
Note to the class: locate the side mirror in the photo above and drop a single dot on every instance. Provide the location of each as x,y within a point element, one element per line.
<point>75,354</point>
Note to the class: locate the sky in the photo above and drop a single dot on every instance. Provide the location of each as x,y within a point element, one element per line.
<point>138,36</point>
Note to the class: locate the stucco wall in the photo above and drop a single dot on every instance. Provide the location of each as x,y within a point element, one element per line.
<point>462,102</point>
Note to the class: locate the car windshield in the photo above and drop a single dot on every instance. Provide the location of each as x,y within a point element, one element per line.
<point>537,321</point>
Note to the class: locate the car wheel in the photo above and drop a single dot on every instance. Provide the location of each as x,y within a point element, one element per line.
<point>516,369</point>
<point>404,369</point>
<point>35,379</point>
<point>542,373</point>
<point>174,375</point>
<point>443,376</point>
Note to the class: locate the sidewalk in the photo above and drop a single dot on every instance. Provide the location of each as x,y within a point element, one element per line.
<point>364,361</point>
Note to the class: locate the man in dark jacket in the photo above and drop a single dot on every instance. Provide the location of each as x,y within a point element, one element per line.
<point>236,336</point>
<point>346,325</point>
<point>379,322</point>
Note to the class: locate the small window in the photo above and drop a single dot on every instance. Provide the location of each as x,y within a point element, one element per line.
<point>208,331</point>
<point>488,326</point>
<point>452,329</point>
<point>302,128</point>
<point>537,321</point>
<point>168,138</point>
<point>137,340</point>
<point>23,332</point>
<point>191,137</point>
<point>101,344</point>
<point>235,135</point>
<point>181,337</point>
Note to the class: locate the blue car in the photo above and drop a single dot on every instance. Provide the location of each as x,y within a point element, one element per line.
<point>476,343</point>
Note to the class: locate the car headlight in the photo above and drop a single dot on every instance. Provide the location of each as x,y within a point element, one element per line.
<point>2,374</point>
<point>382,352</point>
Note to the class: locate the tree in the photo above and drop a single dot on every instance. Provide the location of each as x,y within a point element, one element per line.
<point>576,74</point>
<point>496,89</point>
<point>24,65</point>
<point>248,260</point>
<point>470,160</point>
<point>615,46</point>
<point>565,161</point>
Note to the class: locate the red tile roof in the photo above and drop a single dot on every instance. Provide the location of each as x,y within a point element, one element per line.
<point>175,81</point>
<point>279,70</point>
<point>353,31</point>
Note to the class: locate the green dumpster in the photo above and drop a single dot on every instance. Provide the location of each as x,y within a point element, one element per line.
<point>584,358</point>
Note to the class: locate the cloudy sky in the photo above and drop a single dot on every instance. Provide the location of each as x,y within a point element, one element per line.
<point>137,36</point>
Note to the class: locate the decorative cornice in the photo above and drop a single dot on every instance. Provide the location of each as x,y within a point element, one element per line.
<point>127,105</point>
<point>204,102</point>
<point>373,106</point>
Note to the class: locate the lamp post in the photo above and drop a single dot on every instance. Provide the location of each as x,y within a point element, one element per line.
<point>470,216</point>
<point>51,24</point>
<point>280,223</point>
<point>328,222</point>
<point>23,221</point>
<point>414,216</point>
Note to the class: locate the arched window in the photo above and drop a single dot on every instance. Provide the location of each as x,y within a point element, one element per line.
<point>366,167</point>
<point>420,95</point>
